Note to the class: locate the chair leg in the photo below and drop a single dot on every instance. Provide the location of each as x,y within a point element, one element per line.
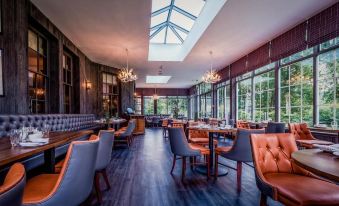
<point>208,167</point>
<point>183,172</point>
<point>239,170</point>
<point>191,162</point>
<point>173,165</point>
<point>263,200</point>
<point>97,187</point>
<point>104,174</point>
<point>216,166</point>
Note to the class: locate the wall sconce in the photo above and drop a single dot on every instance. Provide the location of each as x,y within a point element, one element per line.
<point>88,85</point>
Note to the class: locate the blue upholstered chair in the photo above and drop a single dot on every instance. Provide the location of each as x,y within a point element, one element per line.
<point>239,152</point>
<point>180,147</point>
<point>74,183</point>
<point>126,135</point>
<point>12,189</point>
<point>275,127</point>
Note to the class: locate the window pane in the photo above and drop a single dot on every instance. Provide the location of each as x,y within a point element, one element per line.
<point>158,19</point>
<point>159,38</point>
<point>193,7</point>
<point>159,4</point>
<point>181,20</point>
<point>148,105</point>
<point>32,60</point>
<point>32,40</point>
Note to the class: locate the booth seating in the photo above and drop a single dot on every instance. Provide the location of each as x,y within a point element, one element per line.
<point>57,122</point>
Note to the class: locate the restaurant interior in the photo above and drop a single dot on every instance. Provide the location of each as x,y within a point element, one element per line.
<point>169,102</point>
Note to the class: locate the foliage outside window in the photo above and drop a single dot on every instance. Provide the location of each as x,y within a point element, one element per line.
<point>137,103</point>
<point>110,94</point>
<point>148,106</point>
<point>37,72</point>
<point>328,86</point>
<point>296,92</point>
<point>264,96</point>
<point>244,98</point>
<point>223,100</point>
<point>162,105</point>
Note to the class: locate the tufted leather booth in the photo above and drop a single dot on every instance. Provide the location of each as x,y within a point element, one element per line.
<point>57,122</point>
<point>304,136</point>
<point>279,177</point>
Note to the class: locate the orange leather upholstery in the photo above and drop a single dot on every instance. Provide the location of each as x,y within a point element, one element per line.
<point>177,125</point>
<point>199,137</point>
<point>53,189</point>
<point>243,124</point>
<point>220,150</point>
<point>164,123</point>
<point>300,131</point>
<point>278,176</point>
<point>202,149</point>
<point>12,188</point>
<point>304,136</point>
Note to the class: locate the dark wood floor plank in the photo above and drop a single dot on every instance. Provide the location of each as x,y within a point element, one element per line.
<point>141,176</point>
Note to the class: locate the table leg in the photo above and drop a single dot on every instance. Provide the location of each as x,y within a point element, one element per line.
<point>49,156</point>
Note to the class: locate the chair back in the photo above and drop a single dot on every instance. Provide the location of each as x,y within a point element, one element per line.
<point>231,122</point>
<point>164,123</point>
<point>243,124</point>
<point>192,133</point>
<point>300,131</point>
<point>193,124</point>
<point>275,127</point>
<point>179,144</point>
<point>177,125</point>
<point>12,189</point>
<point>106,139</point>
<point>76,177</point>
<point>241,149</point>
<point>156,120</point>
<point>130,128</point>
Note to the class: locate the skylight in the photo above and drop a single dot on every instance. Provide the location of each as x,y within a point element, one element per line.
<point>172,20</point>
<point>159,79</point>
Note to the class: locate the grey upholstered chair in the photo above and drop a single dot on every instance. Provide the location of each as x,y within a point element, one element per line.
<point>275,127</point>
<point>126,135</point>
<point>180,147</point>
<point>74,183</point>
<point>12,189</point>
<point>106,139</point>
<point>239,152</point>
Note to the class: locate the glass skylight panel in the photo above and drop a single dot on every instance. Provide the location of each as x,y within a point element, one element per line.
<point>158,19</point>
<point>172,38</point>
<point>193,7</point>
<point>160,37</point>
<point>177,17</point>
<point>181,20</point>
<point>159,4</point>
<point>159,79</point>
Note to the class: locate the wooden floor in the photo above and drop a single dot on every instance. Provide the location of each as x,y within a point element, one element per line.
<point>141,176</point>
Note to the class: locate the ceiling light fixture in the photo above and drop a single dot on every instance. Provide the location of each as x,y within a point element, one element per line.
<point>211,76</point>
<point>126,74</point>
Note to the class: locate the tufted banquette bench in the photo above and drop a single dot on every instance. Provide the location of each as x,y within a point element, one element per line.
<point>57,122</point>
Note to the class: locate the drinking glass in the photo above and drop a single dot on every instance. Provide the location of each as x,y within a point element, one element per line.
<point>334,125</point>
<point>14,137</point>
<point>46,129</point>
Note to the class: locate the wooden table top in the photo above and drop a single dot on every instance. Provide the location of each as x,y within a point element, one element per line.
<point>320,163</point>
<point>214,130</point>
<point>56,139</point>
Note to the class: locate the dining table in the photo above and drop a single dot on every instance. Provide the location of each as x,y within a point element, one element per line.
<point>10,155</point>
<point>323,164</point>
<point>211,131</point>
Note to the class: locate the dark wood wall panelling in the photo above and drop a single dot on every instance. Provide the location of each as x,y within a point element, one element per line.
<point>162,91</point>
<point>18,16</point>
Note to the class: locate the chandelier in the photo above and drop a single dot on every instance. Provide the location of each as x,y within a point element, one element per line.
<point>126,74</point>
<point>211,76</point>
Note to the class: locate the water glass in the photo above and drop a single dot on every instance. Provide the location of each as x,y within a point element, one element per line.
<point>45,130</point>
<point>14,137</point>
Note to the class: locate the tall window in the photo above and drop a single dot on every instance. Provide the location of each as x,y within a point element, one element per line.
<point>183,106</point>
<point>223,100</point>
<point>110,93</point>
<point>37,72</point>
<point>328,87</point>
<point>67,66</point>
<point>148,105</point>
<point>193,112</point>
<point>244,98</point>
<point>162,107</point>
<point>296,92</point>
<point>137,103</point>
<point>205,99</point>
<point>264,96</point>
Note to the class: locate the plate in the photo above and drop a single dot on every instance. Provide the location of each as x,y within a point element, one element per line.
<point>30,144</point>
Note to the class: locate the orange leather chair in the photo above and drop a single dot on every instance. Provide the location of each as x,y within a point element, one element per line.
<point>200,137</point>
<point>304,136</point>
<point>243,124</point>
<point>74,183</point>
<point>164,127</point>
<point>177,125</point>
<point>280,178</point>
<point>12,189</point>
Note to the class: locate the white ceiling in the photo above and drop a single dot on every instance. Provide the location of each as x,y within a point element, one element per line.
<point>104,29</point>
